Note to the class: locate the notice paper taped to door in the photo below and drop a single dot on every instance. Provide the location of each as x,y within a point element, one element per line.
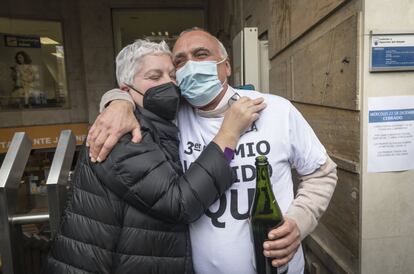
<point>390,133</point>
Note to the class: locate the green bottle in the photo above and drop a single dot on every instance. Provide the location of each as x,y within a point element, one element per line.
<point>265,215</point>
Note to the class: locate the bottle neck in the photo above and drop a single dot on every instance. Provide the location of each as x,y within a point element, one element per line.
<point>262,176</point>
<point>264,197</point>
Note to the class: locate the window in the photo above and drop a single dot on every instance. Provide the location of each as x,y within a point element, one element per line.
<point>32,64</point>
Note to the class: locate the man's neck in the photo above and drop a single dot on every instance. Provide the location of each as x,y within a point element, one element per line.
<point>220,108</point>
<point>216,100</point>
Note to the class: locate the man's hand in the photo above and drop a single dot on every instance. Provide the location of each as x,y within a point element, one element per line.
<point>114,122</point>
<point>283,243</point>
<point>237,119</point>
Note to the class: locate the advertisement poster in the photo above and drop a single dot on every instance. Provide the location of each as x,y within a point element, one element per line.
<point>390,133</point>
<point>32,72</point>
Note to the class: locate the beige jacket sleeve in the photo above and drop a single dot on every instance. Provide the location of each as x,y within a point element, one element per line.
<point>313,196</point>
<point>114,94</point>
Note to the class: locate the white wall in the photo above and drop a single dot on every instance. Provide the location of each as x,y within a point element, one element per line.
<point>387,199</point>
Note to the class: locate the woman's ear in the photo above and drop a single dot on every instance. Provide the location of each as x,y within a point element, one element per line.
<point>124,87</point>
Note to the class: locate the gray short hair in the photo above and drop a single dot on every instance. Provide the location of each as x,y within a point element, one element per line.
<point>129,58</point>
<point>222,49</point>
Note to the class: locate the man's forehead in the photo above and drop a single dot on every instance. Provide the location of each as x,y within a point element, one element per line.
<point>193,40</point>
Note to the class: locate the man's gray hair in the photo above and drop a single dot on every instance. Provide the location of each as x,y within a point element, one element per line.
<point>222,49</point>
<point>129,58</point>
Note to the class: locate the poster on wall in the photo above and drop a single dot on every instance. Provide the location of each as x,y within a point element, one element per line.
<point>390,133</point>
<point>21,80</point>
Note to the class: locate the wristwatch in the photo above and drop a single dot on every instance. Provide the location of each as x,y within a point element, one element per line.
<point>229,154</point>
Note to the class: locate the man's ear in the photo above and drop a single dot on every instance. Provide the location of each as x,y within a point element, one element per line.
<point>228,67</point>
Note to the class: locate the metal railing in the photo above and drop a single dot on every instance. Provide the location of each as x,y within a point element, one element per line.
<point>11,171</point>
<point>58,175</point>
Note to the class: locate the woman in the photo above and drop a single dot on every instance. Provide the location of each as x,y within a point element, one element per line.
<point>129,214</point>
<point>26,78</point>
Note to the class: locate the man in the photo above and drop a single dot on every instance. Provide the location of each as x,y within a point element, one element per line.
<point>221,240</point>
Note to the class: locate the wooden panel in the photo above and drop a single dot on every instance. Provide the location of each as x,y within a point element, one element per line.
<point>279,83</point>
<point>342,216</point>
<point>325,71</point>
<point>279,29</point>
<point>256,13</point>
<point>292,18</point>
<point>306,13</point>
<point>325,254</point>
<point>323,64</point>
<point>338,130</point>
<point>346,164</point>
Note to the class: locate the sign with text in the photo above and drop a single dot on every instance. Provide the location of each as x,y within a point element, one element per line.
<point>392,52</point>
<point>22,41</point>
<point>43,136</point>
<point>390,133</point>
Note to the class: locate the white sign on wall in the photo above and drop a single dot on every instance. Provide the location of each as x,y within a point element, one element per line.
<point>390,133</point>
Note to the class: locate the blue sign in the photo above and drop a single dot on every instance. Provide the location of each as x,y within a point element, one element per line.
<point>392,52</point>
<point>22,41</point>
<point>392,115</point>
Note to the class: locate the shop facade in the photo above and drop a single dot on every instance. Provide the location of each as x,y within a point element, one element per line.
<point>56,61</point>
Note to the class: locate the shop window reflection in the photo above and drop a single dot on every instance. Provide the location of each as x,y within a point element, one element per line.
<point>32,64</point>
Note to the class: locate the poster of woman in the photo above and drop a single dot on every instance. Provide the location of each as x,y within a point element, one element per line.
<point>26,81</point>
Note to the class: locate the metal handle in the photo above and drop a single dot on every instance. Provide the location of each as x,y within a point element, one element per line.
<point>58,178</point>
<point>11,172</point>
<point>16,158</point>
<point>62,161</point>
<point>29,218</point>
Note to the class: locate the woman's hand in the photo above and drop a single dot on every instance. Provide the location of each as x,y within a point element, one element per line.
<point>237,120</point>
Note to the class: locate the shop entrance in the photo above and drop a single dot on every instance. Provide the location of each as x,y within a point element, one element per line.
<point>153,24</point>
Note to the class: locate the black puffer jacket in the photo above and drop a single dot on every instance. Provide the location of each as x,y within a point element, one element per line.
<point>129,214</point>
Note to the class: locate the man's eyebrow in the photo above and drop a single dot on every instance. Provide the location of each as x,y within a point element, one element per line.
<point>200,49</point>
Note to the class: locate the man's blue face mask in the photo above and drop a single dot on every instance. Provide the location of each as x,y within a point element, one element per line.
<point>199,82</point>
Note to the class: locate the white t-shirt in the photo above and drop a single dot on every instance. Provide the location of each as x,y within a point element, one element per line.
<point>221,241</point>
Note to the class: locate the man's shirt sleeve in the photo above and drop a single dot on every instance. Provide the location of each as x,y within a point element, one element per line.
<point>114,94</point>
<point>318,175</point>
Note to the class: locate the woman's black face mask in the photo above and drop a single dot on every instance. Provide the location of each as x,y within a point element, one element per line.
<point>162,100</point>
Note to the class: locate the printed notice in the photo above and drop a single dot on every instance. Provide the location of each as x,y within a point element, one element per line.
<point>390,133</point>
